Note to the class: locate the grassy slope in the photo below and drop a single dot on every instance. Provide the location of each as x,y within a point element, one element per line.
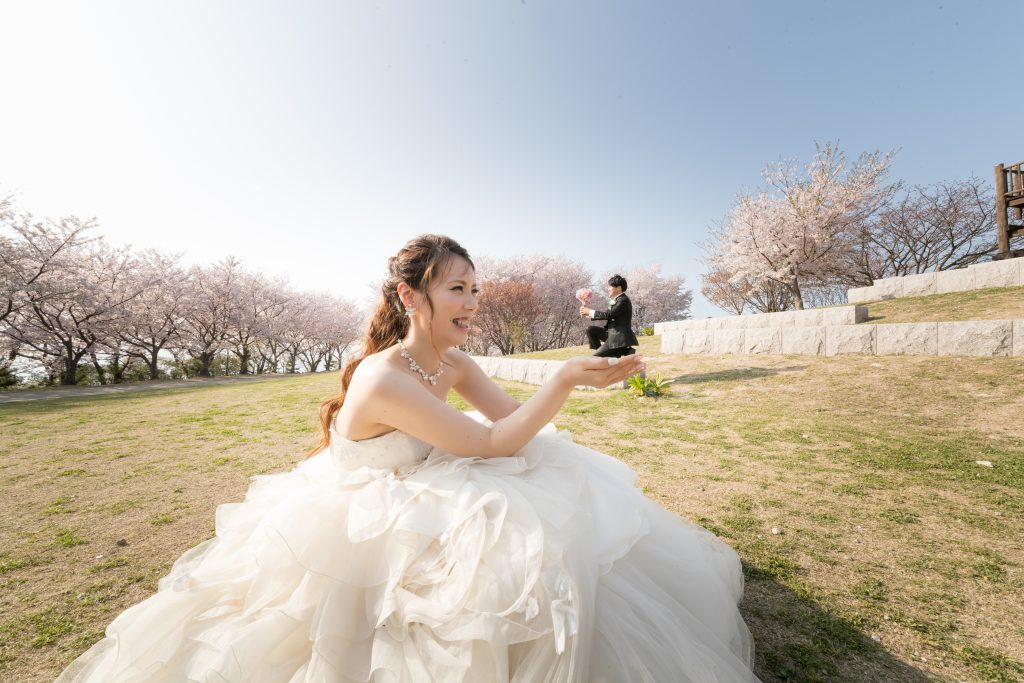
<point>889,530</point>
<point>1004,303</point>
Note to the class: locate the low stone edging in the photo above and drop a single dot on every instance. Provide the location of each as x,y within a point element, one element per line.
<point>1005,273</point>
<point>959,338</point>
<point>812,317</point>
<point>528,370</point>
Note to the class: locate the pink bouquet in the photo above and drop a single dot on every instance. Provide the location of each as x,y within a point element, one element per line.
<point>584,295</point>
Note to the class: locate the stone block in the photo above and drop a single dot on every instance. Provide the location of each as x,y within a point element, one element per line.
<point>840,315</point>
<point>746,321</point>
<point>504,367</point>
<point>960,280</point>
<point>520,368</point>
<point>907,339</point>
<point>783,319</point>
<point>804,340</point>
<point>841,340</point>
<point>727,341</point>
<point>1005,273</point>
<point>672,342</point>
<point>888,288</point>
<point>860,314</point>
<point>976,338</point>
<point>812,317</point>
<point>697,342</point>
<point>717,323</point>
<point>861,294</point>
<point>550,368</point>
<point>762,340</point>
<point>919,285</point>
<point>1018,335</point>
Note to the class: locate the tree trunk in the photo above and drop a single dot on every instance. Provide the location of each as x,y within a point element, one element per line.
<point>101,373</point>
<point>205,360</point>
<point>154,369</point>
<point>118,369</point>
<point>798,300</point>
<point>69,377</point>
<point>243,362</point>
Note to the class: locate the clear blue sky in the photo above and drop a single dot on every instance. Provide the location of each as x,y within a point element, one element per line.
<point>311,139</point>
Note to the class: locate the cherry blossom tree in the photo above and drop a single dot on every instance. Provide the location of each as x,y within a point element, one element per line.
<point>527,303</point>
<point>154,319</point>
<point>209,309</point>
<point>735,295</point>
<point>255,301</point>
<point>719,287</point>
<point>508,310</point>
<point>75,307</point>
<point>341,329</point>
<point>804,225</point>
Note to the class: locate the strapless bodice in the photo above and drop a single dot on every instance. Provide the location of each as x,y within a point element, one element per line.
<point>388,451</point>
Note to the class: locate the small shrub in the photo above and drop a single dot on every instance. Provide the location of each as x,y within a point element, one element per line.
<point>648,386</point>
<point>647,331</point>
<point>7,378</point>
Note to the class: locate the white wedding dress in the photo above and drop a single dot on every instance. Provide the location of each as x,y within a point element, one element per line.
<point>388,560</point>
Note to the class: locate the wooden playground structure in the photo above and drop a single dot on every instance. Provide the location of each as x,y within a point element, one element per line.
<point>1009,207</point>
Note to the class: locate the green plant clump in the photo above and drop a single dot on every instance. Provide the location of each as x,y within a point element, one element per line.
<point>655,385</point>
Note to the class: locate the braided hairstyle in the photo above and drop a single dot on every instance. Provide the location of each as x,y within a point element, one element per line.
<point>416,264</point>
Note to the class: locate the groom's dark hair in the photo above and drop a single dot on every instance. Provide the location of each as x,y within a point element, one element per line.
<point>617,281</point>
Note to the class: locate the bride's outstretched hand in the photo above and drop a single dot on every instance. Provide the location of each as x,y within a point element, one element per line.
<point>594,371</point>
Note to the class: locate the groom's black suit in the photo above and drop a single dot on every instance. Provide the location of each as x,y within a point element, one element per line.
<point>617,333</point>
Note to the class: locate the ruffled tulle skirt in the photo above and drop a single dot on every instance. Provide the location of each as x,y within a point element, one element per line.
<point>546,566</point>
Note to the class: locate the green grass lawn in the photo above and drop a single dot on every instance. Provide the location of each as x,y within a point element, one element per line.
<point>897,557</point>
<point>1002,303</point>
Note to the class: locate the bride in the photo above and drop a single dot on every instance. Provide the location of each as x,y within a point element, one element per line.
<point>420,543</point>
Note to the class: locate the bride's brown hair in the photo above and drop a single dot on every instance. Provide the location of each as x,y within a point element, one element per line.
<point>416,264</point>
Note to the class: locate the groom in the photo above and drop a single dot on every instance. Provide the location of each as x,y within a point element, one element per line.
<point>617,334</point>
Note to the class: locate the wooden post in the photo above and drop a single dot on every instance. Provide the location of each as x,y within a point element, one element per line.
<point>1002,220</point>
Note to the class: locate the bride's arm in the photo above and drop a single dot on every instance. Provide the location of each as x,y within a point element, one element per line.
<point>399,400</point>
<point>480,390</point>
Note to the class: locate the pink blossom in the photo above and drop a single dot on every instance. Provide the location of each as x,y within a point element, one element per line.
<point>584,295</point>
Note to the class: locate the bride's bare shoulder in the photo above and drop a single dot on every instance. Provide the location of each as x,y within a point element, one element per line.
<point>377,368</point>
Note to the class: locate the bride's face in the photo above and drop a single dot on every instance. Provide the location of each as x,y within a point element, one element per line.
<point>454,296</point>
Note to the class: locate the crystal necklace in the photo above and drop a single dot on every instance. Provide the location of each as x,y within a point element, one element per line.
<point>415,367</point>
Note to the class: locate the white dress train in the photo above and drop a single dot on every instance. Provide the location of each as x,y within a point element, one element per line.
<point>388,560</point>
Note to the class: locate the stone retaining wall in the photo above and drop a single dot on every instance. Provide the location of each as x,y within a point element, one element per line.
<point>1005,273</point>
<point>962,338</point>
<point>530,371</point>
<point>812,317</point>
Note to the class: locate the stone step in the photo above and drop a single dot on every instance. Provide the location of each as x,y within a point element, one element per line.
<point>956,338</point>
<point>812,317</point>
<point>1005,273</point>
